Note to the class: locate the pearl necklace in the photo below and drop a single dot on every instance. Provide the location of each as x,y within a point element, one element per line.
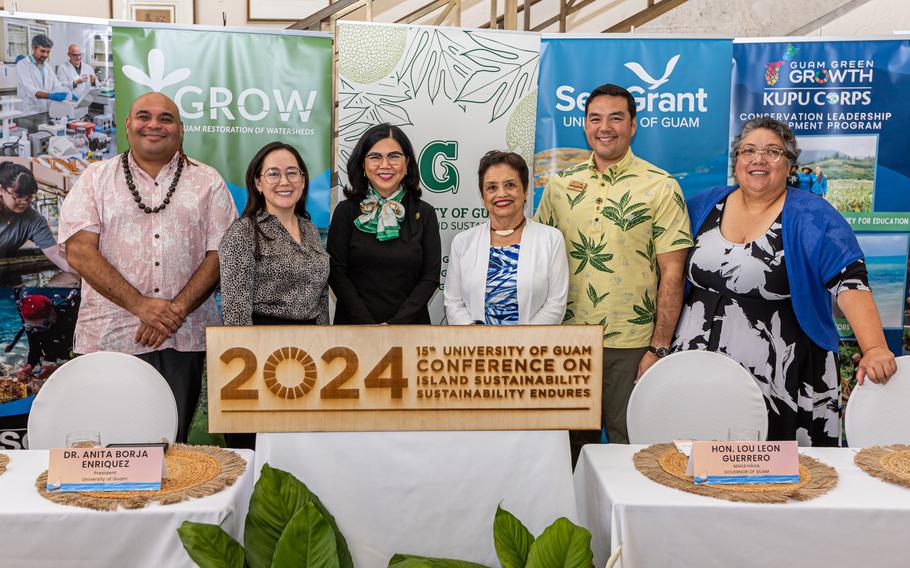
<point>132,186</point>
<point>507,232</point>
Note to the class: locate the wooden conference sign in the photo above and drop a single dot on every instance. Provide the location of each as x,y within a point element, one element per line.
<point>376,378</point>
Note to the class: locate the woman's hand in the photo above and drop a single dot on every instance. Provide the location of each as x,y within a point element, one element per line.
<point>878,364</point>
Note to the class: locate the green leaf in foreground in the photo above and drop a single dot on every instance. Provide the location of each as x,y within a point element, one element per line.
<point>307,540</point>
<point>210,546</point>
<point>341,544</point>
<point>276,498</point>
<point>411,561</point>
<point>561,545</point>
<point>511,539</point>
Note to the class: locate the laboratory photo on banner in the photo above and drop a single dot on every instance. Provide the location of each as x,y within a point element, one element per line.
<point>36,335</point>
<point>57,99</point>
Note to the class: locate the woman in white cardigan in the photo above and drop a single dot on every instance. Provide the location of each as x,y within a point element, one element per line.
<point>510,270</point>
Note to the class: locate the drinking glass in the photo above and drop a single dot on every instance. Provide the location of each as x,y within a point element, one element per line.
<point>83,439</point>
<point>742,434</point>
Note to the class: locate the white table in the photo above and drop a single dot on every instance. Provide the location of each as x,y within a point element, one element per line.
<point>428,493</point>
<point>861,522</point>
<point>40,533</point>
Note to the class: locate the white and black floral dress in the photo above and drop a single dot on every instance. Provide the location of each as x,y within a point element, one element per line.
<point>739,305</point>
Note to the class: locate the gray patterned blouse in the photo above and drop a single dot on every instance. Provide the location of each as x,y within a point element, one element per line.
<point>285,280</point>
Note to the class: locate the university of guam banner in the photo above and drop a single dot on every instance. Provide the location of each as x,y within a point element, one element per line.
<point>847,102</point>
<point>236,92</point>
<point>682,93</point>
<point>456,94</point>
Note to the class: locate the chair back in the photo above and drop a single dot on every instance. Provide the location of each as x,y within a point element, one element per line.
<point>880,414</point>
<point>694,395</point>
<point>118,395</point>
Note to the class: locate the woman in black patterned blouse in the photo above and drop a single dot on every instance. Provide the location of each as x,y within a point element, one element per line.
<point>273,267</point>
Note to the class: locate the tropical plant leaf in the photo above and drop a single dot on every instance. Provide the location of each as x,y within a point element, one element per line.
<point>686,239</point>
<point>341,544</point>
<point>586,251</point>
<point>598,261</point>
<point>624,214</point>
<point>648,254</point>
<point>504,74</point>
<point>561,545</point>
<point>680,202</point>
<point>412,561</point>
<point>210,546</point>
<point>660,173</point>
<point>647,312</point>
<point>593,295</point>
<point>608,335</point>
<point>511,539</point>
<point>657,231</point>
<point>577,199</point>
<point>276,498</point>
<point>573,170</point>
<point>307,540</point>
<point>570,315</point>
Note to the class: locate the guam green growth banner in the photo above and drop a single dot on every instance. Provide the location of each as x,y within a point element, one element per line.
<point>236,92</point>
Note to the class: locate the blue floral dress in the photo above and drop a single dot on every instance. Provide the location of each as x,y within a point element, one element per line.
<point>502,286</point>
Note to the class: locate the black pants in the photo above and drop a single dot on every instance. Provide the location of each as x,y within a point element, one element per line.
<point>619,371</point>
<point>183,372</point>
<point>245,440</point>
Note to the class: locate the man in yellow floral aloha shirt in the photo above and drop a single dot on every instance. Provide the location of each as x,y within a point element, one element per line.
<point>627,233</point>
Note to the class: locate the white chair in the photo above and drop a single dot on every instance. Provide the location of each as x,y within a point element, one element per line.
<point>120,396</point>
<point>880,414</point>
<point>694,395</point>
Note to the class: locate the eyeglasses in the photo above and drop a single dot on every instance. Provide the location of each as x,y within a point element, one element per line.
<point>395,158</point>
<point>20,198</point>
<point>75,55</point>
<point>752,153</point>
<point>272,176</point>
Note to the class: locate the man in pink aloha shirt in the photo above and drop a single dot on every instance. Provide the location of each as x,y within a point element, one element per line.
<point>143,230</point>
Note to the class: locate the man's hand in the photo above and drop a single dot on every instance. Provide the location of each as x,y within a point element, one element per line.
<point>161,315</point>
<point>148,336</point>
<point>645,364</point>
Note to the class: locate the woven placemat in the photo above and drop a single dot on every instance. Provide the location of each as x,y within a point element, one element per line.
<point>664,464</point>
<point>4,459</point>
<point>193,471</point>
<point>890,463</point>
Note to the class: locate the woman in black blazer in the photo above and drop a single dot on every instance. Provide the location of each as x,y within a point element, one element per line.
<point>383,240</point>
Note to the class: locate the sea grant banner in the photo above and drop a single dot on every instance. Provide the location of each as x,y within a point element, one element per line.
<point>456,94</point>
<point>682,94</point>
<point>236,92</point>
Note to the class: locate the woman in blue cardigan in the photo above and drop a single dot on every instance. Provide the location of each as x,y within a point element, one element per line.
<point>510,270</point>
<point>766,263</point>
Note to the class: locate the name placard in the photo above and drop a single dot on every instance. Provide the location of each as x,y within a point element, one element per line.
<point>105,469</point>
<point>726,463</point>
<point>377,378</point>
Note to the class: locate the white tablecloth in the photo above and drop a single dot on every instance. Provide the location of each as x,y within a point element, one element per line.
<point>428,493</point>
<point>35,532</point>
<point>861,522</point>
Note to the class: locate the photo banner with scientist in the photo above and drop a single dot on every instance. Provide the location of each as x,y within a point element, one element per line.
<point>236,91</point>
<point>682,92</point>
<point>846,101</point>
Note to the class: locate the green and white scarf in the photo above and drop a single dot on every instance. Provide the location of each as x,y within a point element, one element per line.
<point>380,216</point>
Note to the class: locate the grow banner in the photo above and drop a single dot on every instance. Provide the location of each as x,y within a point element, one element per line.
<point>682,94</point>
<point>236,92</point>
<point>847,103</point>
<point>456,94</point>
